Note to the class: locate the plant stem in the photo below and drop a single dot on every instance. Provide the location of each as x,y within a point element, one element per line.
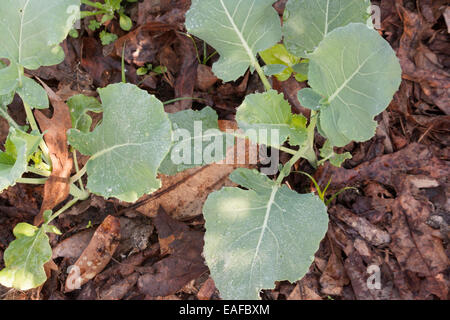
<point>40,172</point>
<point>5,114</point>
<point>77,193</point>
<point>306,152</point>
<point>182,98</point>
<point>30,117</point>
<point>32,180</point>
<point>67,206</point>
<point>34,127</point>
<point>78,175</point>
<point>77,168</point>
<point>261,74</point>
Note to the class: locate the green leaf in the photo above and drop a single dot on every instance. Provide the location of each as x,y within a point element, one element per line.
<point>357,72</point>
<point>107,38</point>
<point>301,69</point>
<point>94,25</point>
<point>307,22</point>
<point>31,33</point>
<point>25,258</point>
<point>336,159</point>
<point>141,71</point>
<point>199,135</point>
<point>79,105</point>
<point>9,78</point>
<point>7,93</point>
<point>278,55</point>
<point>125,22</point>
<point>269,112</point>
<point>33,29</point>
<point>309,98</point>
<point>33,94</point>
<point>19,147</point>
<point>237,29</point>
<point>129,145</point>
<point>274,69</point>
<point>258,236</point>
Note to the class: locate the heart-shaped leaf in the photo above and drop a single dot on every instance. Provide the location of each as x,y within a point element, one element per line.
<point>270,116</point>
<point>357,73</point>
<point>129,145</point>
<point>258,236</point>
<point>237,29</point>
<point>307,22</point>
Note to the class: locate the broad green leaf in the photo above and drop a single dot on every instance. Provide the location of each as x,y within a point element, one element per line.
<point>258,236</point>
<point>307,22</point>
<point>31,31</point>
<point>129,145</point>
<point>25,257</point>
<point>33,94</point>
<point>196,134</point>
<point>336,159</point>
<point>309,98</point>
<point>79,105</point>
<point>278,55</point>
<point>357,73</point>
<point>19,147</point>
<point>237,29</point>
<point>269,116</point>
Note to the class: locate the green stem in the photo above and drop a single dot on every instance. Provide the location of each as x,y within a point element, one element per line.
<point>5,114</point>
<point>32,180</point>
<point>261,74</point>
<point>78,175</point>
<point>181,99</point>
<point>34,127</point>
<point>40,172</point>
<point>306,152</point>
<point>30,117</point>
<point>77,168</point>
<point>67,206</point>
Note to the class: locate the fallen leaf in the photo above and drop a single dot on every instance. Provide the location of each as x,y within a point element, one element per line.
<point>96,256</point>
<point>56,188</point>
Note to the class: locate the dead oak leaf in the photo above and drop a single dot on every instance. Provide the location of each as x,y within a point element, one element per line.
<point>56,188</point>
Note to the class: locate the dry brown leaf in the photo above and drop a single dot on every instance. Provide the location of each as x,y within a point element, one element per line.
<point>96,256</point>
<point>56,188</point>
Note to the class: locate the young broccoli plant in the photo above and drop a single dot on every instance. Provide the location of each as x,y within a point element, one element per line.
<point>268,232</point>
<point>254,236</point>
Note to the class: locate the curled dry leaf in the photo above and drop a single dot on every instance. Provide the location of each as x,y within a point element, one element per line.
<point>96,256</point>
<point>56,189</point>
